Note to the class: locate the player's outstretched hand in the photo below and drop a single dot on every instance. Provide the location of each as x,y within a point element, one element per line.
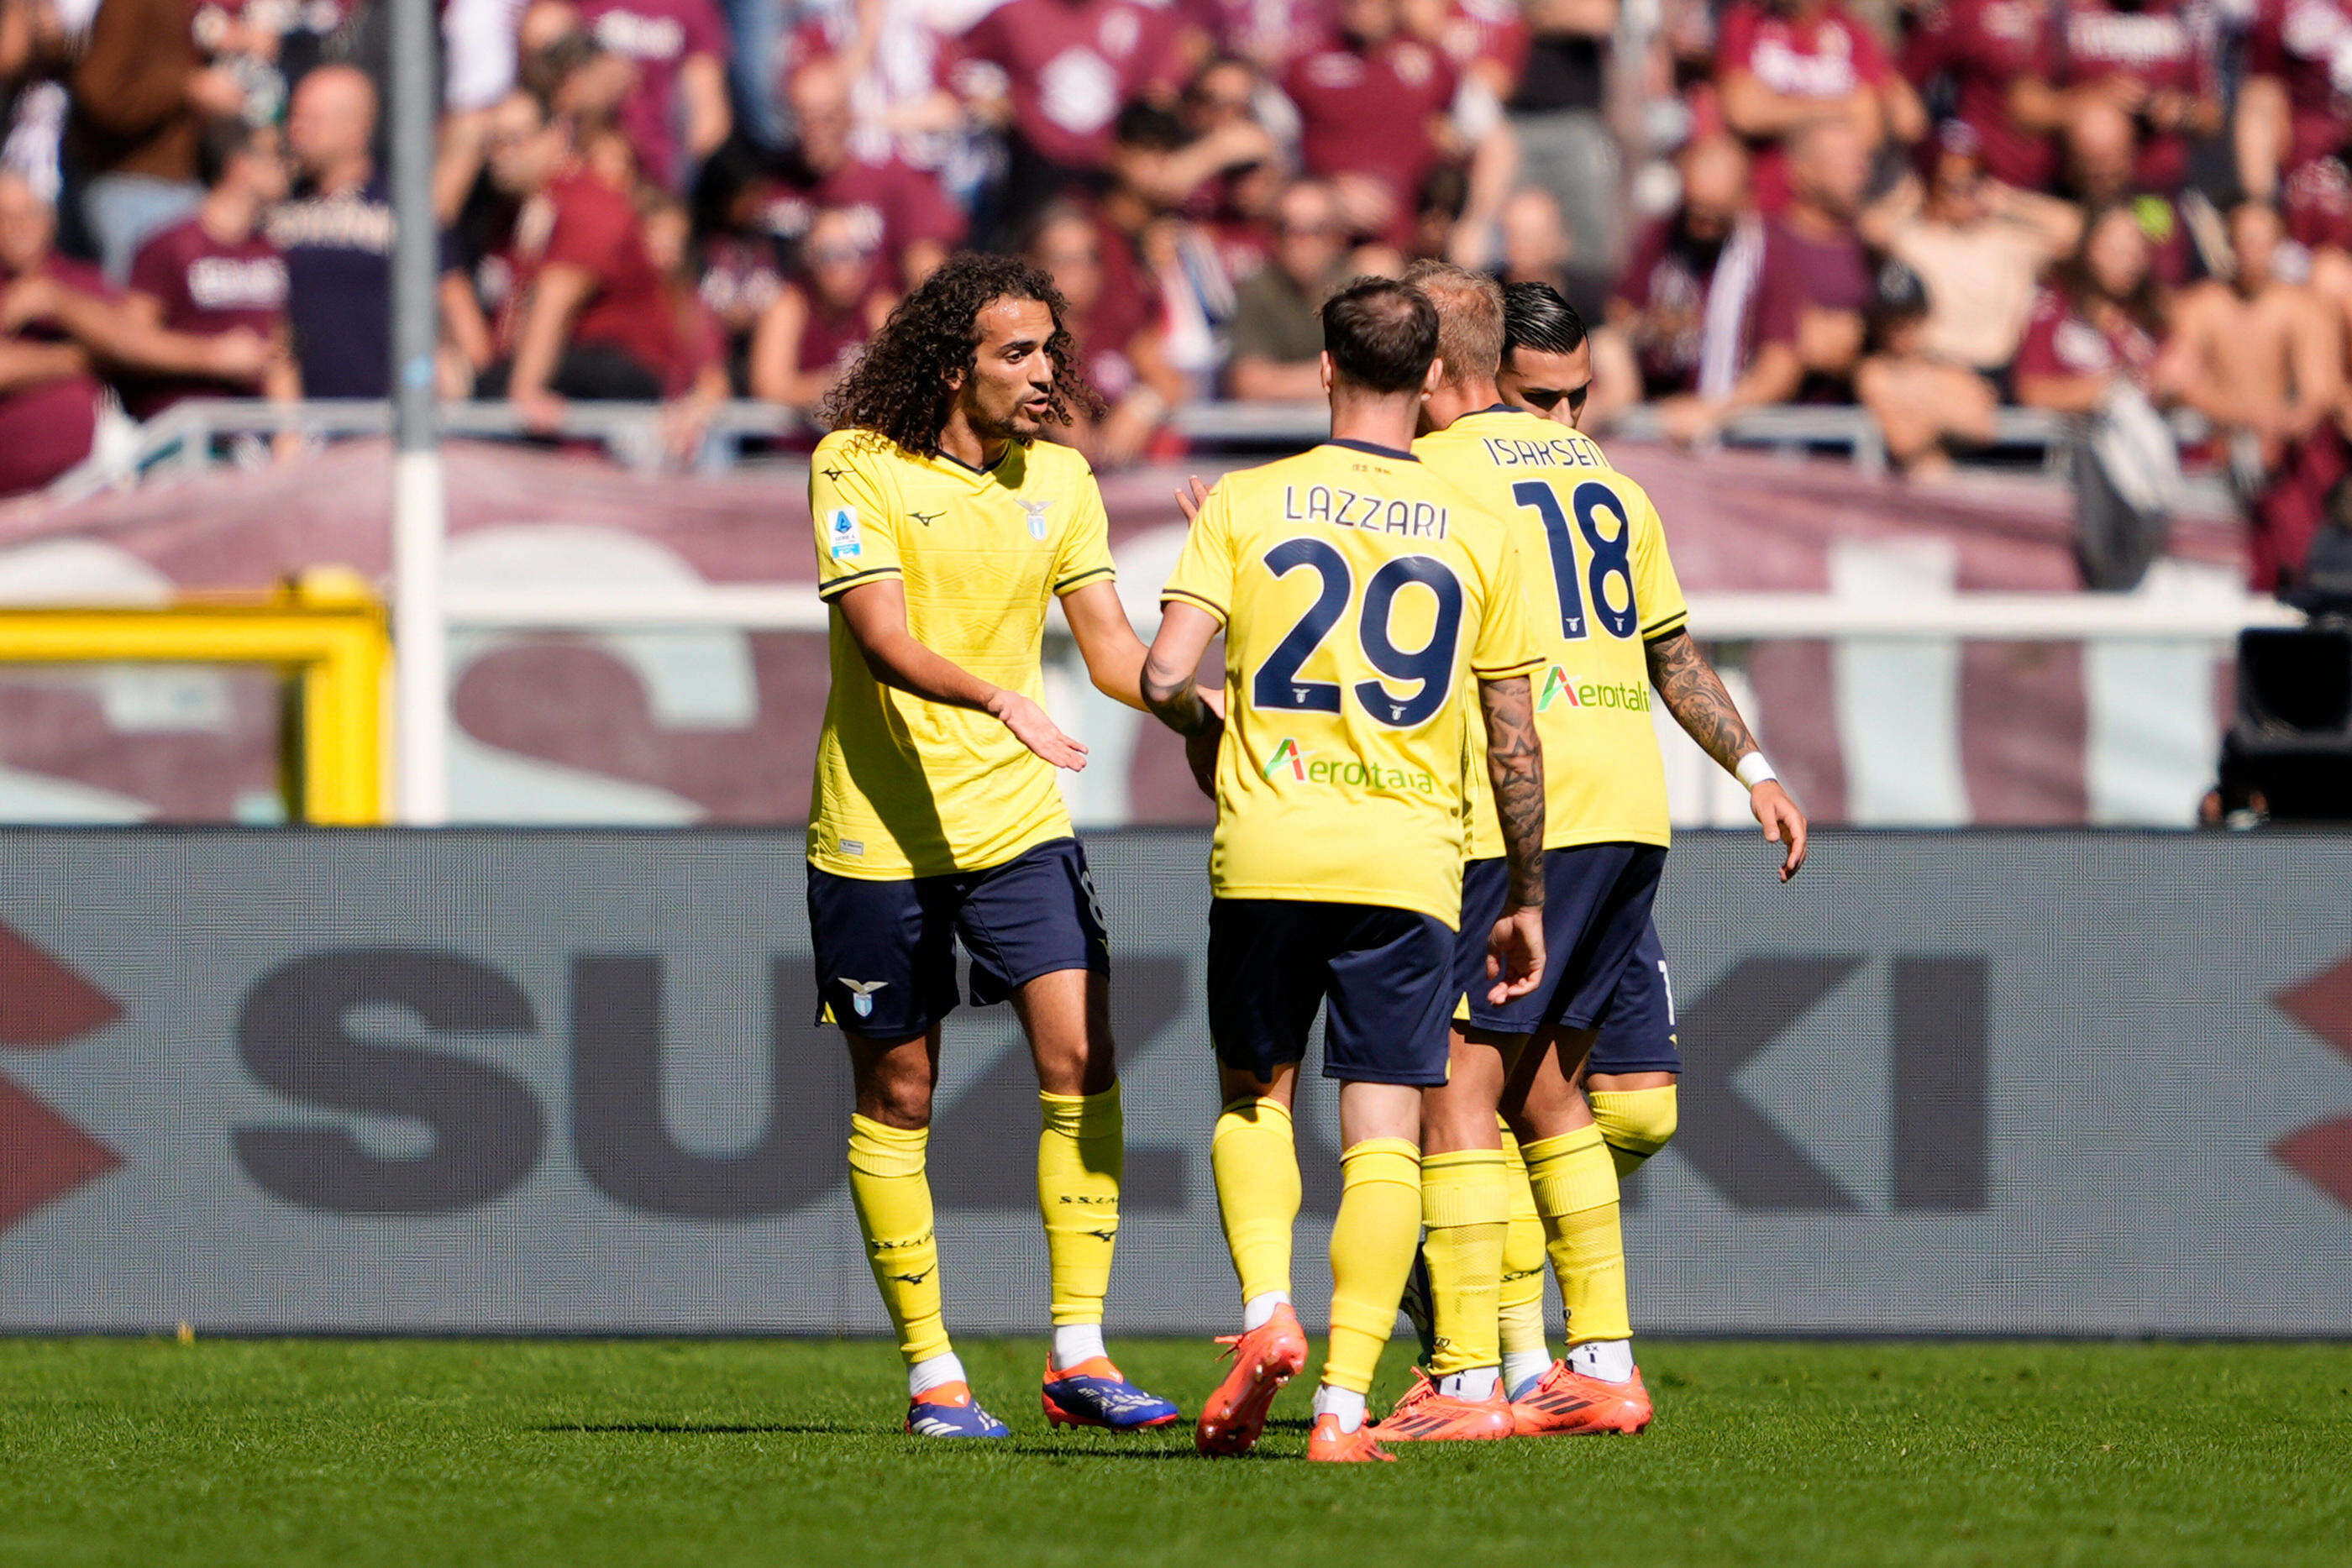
<point>1514,955</point>
<point>1032,728</point>
<point>1784,823</point>
<point>1193,503</point>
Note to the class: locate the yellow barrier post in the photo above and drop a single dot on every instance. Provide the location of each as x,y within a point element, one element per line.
<point>324,630</point>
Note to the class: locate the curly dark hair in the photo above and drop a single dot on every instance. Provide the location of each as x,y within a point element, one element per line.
<point>899,387</point>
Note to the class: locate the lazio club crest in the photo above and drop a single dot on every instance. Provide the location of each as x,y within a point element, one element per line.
<point>861,995</point>
<point>1037,510</point>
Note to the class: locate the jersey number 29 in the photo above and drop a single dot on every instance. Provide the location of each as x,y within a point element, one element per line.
<point>1278,683</point>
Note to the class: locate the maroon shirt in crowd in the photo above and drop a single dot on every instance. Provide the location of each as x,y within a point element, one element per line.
<point>1796,274</point>
<point>1272,32</point>
<point>1370,113</point>
<point>2318,196</point>
<point>1487,32</point>
<point>2298,41</point>
<point>702,335</point>
<point>1668,278</point>
<point>47,429</point>
<point>2164,46</point>
<point>1827,58</point>
<point>581,221</point>
<point>659,37</point>
<point>1984,46</point>
<point>1129,303</point>
<point>832,338</point>
<point>2061,342</point>
<point>205,288</point>
<point>1070,66</point>
<point>740,276</point>
<point>893,204</point>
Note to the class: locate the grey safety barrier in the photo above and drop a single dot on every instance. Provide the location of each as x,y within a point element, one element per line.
<point>568,1082</point>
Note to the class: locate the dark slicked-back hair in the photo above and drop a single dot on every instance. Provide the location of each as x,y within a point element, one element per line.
<point>1469,317</point>
<point>1381,335</point>
<point>900,388</point>
<point>1536,316</point>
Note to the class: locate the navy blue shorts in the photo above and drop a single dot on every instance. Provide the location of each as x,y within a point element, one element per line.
<point>1386,972</point>
<point>1637,1032</point>
<point>885,967</point>
<point>1597,901</point>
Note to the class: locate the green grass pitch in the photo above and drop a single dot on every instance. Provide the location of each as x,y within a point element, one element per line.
<point>351,1453</point>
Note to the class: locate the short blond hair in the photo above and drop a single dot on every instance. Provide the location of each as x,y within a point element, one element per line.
<point>1469,319</point>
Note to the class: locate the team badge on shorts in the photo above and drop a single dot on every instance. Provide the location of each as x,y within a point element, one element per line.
<point>1037,510</point>
<point>861,995</point>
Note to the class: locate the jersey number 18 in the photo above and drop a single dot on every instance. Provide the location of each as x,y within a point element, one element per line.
<point>1611,556</point>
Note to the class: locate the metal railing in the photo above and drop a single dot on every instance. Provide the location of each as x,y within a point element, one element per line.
<point>635,434</point>
<point>1718,616</point>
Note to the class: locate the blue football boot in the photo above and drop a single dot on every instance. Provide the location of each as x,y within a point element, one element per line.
<point>950,1411</point>
<point>1093,1393</point>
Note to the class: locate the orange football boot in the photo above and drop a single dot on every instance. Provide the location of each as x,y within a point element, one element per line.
<point>1328,1444</point>
<point>1426,1416</point>
<point>1567,1402</point>
<point>1265,1358</point>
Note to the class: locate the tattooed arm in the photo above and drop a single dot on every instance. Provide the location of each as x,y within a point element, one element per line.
<point>1693,694</point>
<point>1514,767</point>
<point>1514,955</point>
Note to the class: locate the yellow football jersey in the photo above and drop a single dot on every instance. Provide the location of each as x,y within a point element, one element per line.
<point>910,787</point>
<point>1361,594</point>
<point>1600,589</point>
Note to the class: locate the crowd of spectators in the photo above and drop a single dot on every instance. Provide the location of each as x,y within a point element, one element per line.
<point>2109,209</point>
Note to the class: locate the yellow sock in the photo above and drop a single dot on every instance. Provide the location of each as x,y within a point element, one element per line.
<point>1635,1122</point>
<point>1373,1238</point>
<point>1080,1155</point>
<point>1466,1202</point>
<point>1520,1310</point>
<point>1575,1185</point>
<point>894,1211</point>
<point>1257,1166</point>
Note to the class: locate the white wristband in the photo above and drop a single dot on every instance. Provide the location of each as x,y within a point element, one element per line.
<point>1754,770</point>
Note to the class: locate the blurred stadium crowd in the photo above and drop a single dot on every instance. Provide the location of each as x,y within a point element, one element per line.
<point>2112,209</point>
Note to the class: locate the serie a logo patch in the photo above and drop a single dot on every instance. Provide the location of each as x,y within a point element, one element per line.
<point>842,535</point>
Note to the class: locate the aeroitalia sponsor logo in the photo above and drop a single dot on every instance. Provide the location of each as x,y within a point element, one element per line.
<point>1288,755</point>
<point>1562,689</point>
<point>1347,773</point>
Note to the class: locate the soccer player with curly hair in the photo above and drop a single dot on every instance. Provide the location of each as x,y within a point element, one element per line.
<point>944,527</point>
